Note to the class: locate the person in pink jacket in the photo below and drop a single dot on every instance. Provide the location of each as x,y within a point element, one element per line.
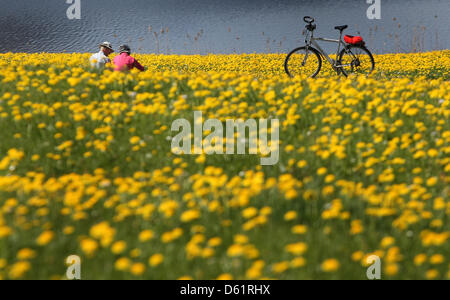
<point>124,61</point>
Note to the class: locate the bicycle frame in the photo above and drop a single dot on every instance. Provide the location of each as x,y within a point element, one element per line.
<point>312,41</point>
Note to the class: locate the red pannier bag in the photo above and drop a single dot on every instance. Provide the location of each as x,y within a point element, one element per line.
<point>354,40</point>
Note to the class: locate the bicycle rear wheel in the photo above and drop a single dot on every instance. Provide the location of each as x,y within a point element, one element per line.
<point>356,59</point>
<point>303,61</point>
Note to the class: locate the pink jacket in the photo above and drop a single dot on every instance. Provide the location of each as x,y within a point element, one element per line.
<point>124,60</point>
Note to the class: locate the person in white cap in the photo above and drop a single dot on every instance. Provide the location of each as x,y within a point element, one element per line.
<point>100,59</point>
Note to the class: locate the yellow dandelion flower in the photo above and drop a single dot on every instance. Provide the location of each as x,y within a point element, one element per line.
<point>225,276</point>
<point>290,215</point>
<point>137,269</point>
<point>280,267</point>
<point>26,253</point>
<point>146,235</point>
<point>156,260</point>
<point>330,265</point>
<point>122,264</point>
<point>118,247</point>
<point>45,238</point>
<point>432,274</point>
<point>89,246</point>
<point>437,259</point>
<point>19,269</point>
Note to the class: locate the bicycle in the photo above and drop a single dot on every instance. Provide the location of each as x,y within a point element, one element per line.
<point>353,58</point>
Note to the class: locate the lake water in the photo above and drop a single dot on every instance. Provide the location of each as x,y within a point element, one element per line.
<point>213,26</point>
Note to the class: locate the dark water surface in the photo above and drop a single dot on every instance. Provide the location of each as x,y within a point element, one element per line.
<point>213,26</point>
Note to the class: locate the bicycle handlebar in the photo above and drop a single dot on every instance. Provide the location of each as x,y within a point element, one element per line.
<point>308,19</point>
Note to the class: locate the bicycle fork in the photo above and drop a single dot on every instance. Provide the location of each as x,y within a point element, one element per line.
<point>306,56</point>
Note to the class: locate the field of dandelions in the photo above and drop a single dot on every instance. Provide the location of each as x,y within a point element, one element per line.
<point>86,169</point>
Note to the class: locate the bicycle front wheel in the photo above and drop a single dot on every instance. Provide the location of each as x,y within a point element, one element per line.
<point>356,59</point>
<point>303,61</point>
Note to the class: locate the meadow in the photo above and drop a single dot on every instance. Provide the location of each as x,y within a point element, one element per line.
<point>86,169</point>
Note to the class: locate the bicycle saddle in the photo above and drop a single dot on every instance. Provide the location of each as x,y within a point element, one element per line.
<point>341,28</point>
